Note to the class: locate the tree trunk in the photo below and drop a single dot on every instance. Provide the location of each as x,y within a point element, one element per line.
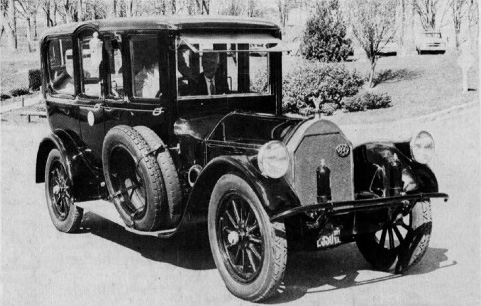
<point>34,20</point>
<point>29,35</point>
<point>80,14</point>
<point>401,17</point>
<point>456,37</point>
<point>129,6</point>
<point>113,10</point>
<point>371,74</point>
<point>55,8</point>
<point>11,29</point>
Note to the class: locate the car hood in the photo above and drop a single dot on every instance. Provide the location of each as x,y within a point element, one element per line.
<point>236,127</point>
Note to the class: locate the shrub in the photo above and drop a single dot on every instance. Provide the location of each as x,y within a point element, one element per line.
<point>375,101</point>
<point>19,91</point>
<point>34,79</point>
<point>4,96</point>
<point>367,101</point>
<point>260,82</point>
<point>354,104</point>
<point>329,83</point>
<point>329,108</point>
<point>324,38</point>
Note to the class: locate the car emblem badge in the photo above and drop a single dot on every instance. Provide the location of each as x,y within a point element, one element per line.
<point>343,150</point>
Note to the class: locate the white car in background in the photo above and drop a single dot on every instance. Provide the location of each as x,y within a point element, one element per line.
<point>431,42</point>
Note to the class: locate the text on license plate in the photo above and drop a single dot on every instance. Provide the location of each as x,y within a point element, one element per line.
<point>330,238</point>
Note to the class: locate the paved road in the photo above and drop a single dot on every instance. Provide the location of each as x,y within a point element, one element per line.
<point>108,265</point>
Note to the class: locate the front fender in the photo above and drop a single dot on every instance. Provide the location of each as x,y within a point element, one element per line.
<point>276,195</point>
<point>420,176</point>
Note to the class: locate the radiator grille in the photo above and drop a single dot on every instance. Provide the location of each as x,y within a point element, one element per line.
<point>307,158</point>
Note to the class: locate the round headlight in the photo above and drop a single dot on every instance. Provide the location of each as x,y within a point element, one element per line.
<point>273,159</point>
<point>422,147</point>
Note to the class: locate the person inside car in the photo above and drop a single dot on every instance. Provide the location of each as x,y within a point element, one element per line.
<point>64,83</point>
<point>210,81</point>
<point>146,81</point>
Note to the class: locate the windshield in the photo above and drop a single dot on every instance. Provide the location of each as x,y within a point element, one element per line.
<point>220,68</point>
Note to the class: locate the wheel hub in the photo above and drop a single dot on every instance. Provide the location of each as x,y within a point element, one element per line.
<point>233,238</point>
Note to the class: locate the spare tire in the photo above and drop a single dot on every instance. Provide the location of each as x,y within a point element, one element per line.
<point>133,178</point>
<point>169,175</point>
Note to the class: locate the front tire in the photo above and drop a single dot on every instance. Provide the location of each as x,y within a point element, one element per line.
<point>65,215</point>
<point>249,251</point>
<point>401,244</point>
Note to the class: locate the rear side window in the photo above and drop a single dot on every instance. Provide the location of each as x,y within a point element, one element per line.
<point>91,52</point>
<point>60,66</point>
<point>146,72</point>
<point>115,68</point>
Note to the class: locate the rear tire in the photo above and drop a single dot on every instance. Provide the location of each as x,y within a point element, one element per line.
<point>65,215</point>
<point>249,251</point>
<point>133,178</point>
<point>399,245</point>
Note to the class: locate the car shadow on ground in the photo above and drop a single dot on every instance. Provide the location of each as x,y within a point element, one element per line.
<point>306,273</point>
<point>188,250</point>
<point>395,75</point>
<point>343,267</point>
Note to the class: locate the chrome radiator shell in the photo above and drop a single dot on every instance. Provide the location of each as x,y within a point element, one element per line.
<point>315,140</point>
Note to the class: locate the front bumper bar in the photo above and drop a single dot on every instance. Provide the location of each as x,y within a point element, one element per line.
<point>334,208</point>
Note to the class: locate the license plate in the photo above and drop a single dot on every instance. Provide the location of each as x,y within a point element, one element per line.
<point>329,238</point>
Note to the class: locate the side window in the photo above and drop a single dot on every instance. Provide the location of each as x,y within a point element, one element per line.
<point>60,66</point>
<point>115,74</point>
<point>144,50</point>
<point>91,54</point>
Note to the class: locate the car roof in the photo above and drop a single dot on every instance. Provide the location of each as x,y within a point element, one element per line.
<point>166,23</point>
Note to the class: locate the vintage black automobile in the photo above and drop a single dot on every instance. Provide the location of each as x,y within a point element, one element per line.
<point>178,121</point>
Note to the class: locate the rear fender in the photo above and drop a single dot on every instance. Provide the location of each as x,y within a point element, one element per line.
<point>86,179</point>
<point>275,194</point>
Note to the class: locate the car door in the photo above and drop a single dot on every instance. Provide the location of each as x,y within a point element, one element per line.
<point>136,82</point>
<point>91,97</point>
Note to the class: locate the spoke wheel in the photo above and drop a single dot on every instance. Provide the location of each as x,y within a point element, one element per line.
<point>239,237</point>
<point>59,191</point>
<point>249,251</point>
<point>65,215</point>
<point>401,242</point>
<point>393,234</point>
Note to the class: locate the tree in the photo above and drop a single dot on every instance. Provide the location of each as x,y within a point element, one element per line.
<point>46,6</point>
<point>284,7</point>
<point>473,20</point>
<point>232,8</point>
<point>325,36</point>
<point>27,9</point>
<point>427,11</point>
<point>373,24</point>
<point>253,9</point>
<point>9,23</point>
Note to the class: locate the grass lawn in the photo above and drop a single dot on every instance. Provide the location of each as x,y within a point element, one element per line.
<point>417,84</point>
<point>14,67</point>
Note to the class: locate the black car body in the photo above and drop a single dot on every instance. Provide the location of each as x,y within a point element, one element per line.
<point>169,157</point>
